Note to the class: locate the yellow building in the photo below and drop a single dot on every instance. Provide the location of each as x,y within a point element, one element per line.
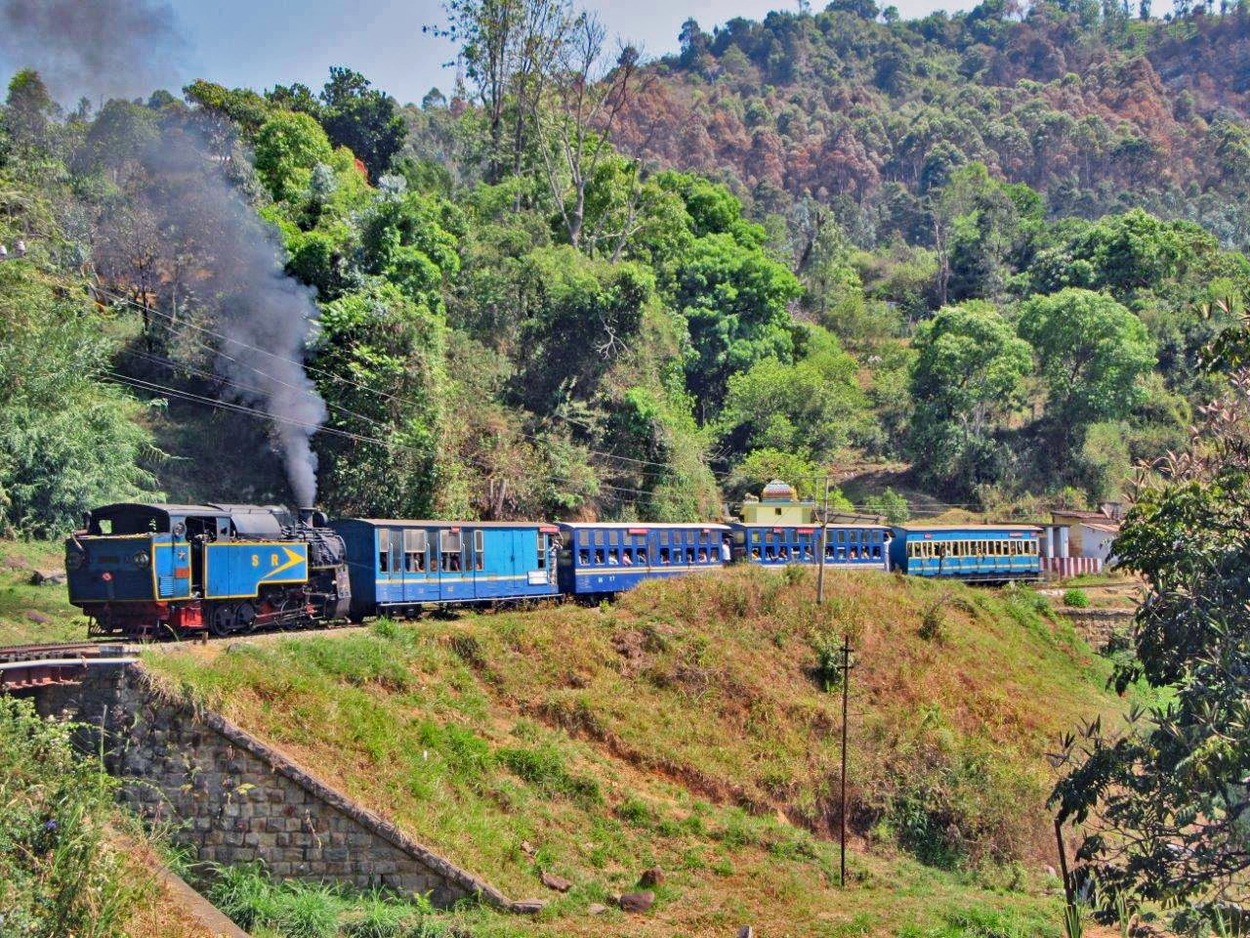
<point>779,504</point>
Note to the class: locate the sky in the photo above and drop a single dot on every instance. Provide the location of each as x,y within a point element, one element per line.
<point>260,43</point>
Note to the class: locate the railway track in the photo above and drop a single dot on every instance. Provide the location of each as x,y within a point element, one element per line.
<point>27,666</point>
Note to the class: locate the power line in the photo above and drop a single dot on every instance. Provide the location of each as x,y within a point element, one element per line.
<point>171,324</point>
<point>157,388</point>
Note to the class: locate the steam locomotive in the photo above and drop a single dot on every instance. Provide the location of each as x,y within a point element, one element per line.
<point>147,571</point>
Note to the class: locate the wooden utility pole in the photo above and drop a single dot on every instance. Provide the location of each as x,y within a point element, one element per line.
<point>824,538</point>
<point>846,689</point>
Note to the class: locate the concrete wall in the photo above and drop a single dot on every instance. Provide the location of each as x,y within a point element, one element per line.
<point>235,799</point>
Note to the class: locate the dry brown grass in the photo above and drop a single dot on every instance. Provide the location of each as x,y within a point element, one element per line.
<point>684,726</point>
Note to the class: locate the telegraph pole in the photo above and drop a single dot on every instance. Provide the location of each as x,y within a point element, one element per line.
<point>846,688</point>
<point>824,539</point>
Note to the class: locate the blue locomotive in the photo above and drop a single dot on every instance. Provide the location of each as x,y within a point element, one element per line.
<point>144,570</point>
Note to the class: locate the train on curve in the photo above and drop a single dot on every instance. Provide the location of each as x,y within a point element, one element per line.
<point>157,570</point>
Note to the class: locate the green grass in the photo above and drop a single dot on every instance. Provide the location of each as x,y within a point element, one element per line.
<point>688,726</point>
<point>22,604</point>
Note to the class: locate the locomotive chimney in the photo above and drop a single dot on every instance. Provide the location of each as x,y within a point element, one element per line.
<point>306,516</point>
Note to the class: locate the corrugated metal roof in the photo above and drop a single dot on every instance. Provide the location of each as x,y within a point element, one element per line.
<point>935,528</point>
<point>621,525</point>
<point>429,523</point>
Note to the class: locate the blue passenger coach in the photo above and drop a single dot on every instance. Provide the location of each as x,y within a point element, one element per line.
<point>847,545</point>
<point>989,553</point>
<point>400,566</point>
<point>608,558</point>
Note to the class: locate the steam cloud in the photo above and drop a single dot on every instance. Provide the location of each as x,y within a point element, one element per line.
<point>263,315</point>
<point>123,47</point>
<point>101,47</point>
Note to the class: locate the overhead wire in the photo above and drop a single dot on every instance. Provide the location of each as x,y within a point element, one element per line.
<point>171,324</point>
<point>157,388</point>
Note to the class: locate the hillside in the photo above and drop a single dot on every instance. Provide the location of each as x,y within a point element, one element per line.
<point>1099,110</point>
<point>688,726</point>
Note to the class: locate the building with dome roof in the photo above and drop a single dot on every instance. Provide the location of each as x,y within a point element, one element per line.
<point>780,504</point>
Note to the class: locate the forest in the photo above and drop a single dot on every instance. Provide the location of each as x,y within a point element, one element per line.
<point>986,250</point>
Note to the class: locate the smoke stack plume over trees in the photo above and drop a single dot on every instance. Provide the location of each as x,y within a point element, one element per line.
<point>178,233</point>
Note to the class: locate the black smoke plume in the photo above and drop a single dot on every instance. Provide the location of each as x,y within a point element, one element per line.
<point>263,317</point>
<point>106,48</point>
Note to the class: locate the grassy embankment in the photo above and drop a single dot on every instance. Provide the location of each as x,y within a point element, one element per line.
<point>33,614</point>
<point>689,726</point>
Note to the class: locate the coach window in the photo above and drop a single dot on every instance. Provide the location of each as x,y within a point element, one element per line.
<point>542,553</point>
<point>664,557</point>
<point>414,551</point>
<point>479,549</point>
<point>384,550</point>
<point>449,547</point>
<point>583,556</point>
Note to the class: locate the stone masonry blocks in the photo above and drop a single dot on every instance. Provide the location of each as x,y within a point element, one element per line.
<point>240,800</point>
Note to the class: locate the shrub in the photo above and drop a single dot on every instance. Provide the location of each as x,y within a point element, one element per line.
<point>1076,599</point>
<point>828,671</point>
<point>933,623</point>
<point>58,875</point>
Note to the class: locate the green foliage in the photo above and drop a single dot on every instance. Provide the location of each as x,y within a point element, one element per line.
<point>1092,353</point>
<point>380,356</point>
<point>890,505</point>
<point>361,118</point>
<point>967,380</point>
<point>1076,599</point>
<point>68,441</point>
<point>806,407</point>
<point>59,874</point>
<point>1176,837</point>
<point>288,147</point>
<point>544,768</point>
<point>294,909</point>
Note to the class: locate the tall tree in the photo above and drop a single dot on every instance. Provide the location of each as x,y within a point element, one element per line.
<point>577,116</point>
<point>968,375</point>
<point>1091,352</point>
<point>362,118</point>
<point>1164,804</point>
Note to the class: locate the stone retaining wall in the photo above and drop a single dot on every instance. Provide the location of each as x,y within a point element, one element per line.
<point>1097,626</point>
<point>236,800</point>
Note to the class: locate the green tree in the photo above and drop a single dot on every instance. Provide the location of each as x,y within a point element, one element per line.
<point>67,440</point>
<point>1163,802</point>
<point>363,119</point>
<point>288,147</point>
<point>968,376</point>
<point>380,361</point>
<point>808,407</point>
<point>1091,352</point>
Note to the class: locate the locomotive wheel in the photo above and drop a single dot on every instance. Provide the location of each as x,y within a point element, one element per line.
<point>221,620</point>
<point>245,617</point>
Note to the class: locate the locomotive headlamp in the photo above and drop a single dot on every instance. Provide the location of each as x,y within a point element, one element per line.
<point>142,558</point>
<point>74,559</point>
